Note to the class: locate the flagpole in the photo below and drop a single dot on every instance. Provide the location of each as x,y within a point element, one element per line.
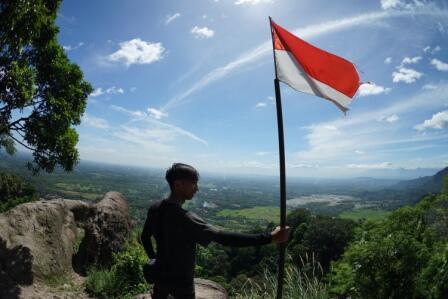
<point>281,147</point>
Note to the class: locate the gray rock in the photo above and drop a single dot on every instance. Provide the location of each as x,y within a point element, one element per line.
<point>204,289</point>
<point>37,238</point>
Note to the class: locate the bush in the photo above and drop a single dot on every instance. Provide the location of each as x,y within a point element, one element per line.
<point>124,278</point>
<point>14,191</point>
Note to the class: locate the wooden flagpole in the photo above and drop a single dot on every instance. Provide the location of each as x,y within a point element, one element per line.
<point>281,147</point>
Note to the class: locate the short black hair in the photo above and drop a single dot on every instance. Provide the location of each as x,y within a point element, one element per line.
<point>181,171</point>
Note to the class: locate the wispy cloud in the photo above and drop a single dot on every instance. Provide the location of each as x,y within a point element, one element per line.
<point>203,32</point>
<point>95,122</point>
<point>157,114</point>
<point>260,105</point>
<point>369,89</point>
<point>438,121</point>
<point>252,2</point>
<point>264,49</point>
<point>388,60</point>
<point>170,18</point>
<point>440,65</point>
<point>428,49</point>
<point>140,116</point>
<point>336,140</point>
<point>411,60</point>
<point>382,165</point>
<point>136,51</point>
<point>390,119</point>
<point>71,48</point>
<point>406,75</point>
<point>111,90</point>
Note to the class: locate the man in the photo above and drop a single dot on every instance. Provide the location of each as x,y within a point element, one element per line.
<point>177,232</point>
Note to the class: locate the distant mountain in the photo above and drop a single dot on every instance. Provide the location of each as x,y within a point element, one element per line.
<point>426,184</point>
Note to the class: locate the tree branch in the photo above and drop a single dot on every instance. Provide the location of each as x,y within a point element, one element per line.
<point>26,146</point>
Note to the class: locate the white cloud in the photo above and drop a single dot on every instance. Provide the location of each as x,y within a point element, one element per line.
<point>409,60</point>
<point>111,90</point>
<point>97,92</point>
<point>406,75</point>
<point>390,119</point>
<point>440,65</point>
<point>383,165</point>
<point>402,4</point>
<point>95,122</point>
<point>359,152</point>
<point>336,140</point>
<point>441,28</point>
<point>368,89</point>
<point>260,105</point>
<point>434,50</point>
<point>311,31</point>
<point>136,51</point>
<point>262,154</point>
<point>203,32</point>
<point>388,60</point>
<point>132,89</point>
<point>71,48</point>
<point>139,116</point>
<point>170,18</point>
<point>429,87</point>
<point>157,114</point>
<point>438,121</point>
<point>252,2</point>
<point>388,4</point>
<point>114,90</point>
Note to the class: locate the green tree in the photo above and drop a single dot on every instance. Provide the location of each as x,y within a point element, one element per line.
<point>42,94</point>
<point>14,191</point>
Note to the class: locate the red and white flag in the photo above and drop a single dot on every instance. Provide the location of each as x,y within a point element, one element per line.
<point>309,69</point>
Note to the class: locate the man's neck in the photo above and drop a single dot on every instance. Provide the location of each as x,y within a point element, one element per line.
<point>174,198</point>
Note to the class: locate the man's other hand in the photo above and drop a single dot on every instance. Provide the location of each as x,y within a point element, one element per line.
<point>280,235</point>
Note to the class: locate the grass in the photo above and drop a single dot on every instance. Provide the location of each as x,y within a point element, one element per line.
<point>297,284</point>
<point>269,213</point>
<point>367,214</point>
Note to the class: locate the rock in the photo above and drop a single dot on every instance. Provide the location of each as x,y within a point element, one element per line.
<point>105,232</point>
<point>37,238</point>
<point>205,289</point>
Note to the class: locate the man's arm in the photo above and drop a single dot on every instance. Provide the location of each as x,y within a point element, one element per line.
<point>205,233</point>
<point>146,239</point>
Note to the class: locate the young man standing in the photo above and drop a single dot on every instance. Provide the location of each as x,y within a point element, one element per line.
<point>177,232</point>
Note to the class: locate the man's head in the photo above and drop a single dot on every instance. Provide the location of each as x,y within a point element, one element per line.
<point>182,179</point>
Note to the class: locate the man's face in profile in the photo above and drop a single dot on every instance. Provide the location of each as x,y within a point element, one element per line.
<point>186,188</point>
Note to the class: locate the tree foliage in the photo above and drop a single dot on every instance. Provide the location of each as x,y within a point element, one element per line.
<point>14,191</point>
<point>405,256</point>
<point>42,94</point>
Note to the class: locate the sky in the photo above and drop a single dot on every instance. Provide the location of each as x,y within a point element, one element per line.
<point>192,81</point>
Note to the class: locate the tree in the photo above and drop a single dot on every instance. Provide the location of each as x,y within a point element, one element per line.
<point>14,191</point>
<point>42,94</point>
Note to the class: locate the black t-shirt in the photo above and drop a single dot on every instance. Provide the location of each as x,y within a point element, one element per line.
<point>180,232</point>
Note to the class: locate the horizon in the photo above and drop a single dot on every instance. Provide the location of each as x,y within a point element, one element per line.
<point>194,83</point>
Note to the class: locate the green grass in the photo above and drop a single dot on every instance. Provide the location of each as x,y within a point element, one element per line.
<point>270,213</point>
<point>367,214</point>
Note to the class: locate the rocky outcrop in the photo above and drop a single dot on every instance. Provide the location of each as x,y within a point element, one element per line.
<point>106,230</point>
<point>37,238</point>
<point>204,289</point>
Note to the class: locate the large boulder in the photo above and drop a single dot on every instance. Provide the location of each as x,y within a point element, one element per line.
<point>37,239</point>
<point>106,231</point>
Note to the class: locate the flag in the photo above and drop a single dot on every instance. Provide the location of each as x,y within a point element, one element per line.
<point>309,69</point>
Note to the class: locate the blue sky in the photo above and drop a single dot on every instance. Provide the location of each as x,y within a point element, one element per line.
<point>192,81</point>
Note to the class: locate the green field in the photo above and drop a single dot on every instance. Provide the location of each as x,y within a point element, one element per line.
<point>271,214</point>
<point>364,214</point>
